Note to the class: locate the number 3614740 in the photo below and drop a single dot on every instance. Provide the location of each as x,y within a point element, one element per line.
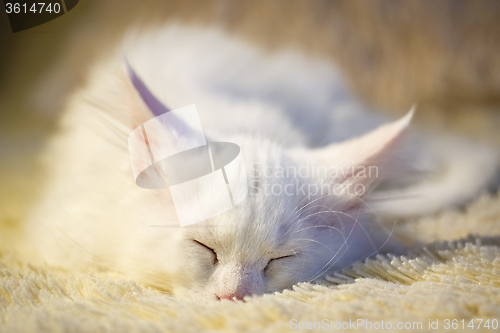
<point>35,8</point>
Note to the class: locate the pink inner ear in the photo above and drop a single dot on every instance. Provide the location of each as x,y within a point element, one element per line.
<point>153,104</point>
<point>379,149</point>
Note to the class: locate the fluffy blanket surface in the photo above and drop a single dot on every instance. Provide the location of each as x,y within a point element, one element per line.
<point>454,275</point>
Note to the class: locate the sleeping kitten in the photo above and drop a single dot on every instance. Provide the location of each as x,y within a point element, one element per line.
<point>298,223</point>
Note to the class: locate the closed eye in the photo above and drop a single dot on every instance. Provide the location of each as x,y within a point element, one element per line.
<point>216,260</point>
<point>291,255</point>
<point>276,259</point>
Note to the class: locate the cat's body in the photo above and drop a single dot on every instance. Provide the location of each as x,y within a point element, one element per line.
<point>283,111</point>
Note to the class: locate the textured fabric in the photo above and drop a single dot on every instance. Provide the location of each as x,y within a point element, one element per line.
<point>453,277</point>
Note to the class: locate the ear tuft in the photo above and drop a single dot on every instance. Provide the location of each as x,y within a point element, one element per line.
<point>409,116</point>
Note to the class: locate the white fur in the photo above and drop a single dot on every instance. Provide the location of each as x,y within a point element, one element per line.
<point>276,107</point>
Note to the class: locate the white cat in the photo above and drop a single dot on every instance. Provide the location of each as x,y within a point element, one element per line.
<point>283,110</point>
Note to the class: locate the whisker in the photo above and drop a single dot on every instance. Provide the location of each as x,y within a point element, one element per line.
<point>329,263</point>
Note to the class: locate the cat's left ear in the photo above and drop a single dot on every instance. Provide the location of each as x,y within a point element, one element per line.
<point>370,158</point>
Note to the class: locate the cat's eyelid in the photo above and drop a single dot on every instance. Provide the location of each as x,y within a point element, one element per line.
<point>282,257</point>
<point>216,259</point>
<point>208,247</point>
<point>288,256</point>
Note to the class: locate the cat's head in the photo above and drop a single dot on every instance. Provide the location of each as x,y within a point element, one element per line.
<point>304,216</point>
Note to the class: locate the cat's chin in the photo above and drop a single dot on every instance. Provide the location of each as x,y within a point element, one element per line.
<point>208,293</point>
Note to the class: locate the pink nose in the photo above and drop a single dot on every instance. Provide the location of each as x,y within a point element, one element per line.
<point>230,297</point>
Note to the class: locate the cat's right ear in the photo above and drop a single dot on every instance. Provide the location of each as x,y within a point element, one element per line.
<point>159,132</point>
<point>144,105</point>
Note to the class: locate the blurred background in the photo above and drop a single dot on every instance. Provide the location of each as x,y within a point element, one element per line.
<point>441,54</point>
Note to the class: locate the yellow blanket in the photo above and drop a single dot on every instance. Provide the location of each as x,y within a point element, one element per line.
<point>455,277</point>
